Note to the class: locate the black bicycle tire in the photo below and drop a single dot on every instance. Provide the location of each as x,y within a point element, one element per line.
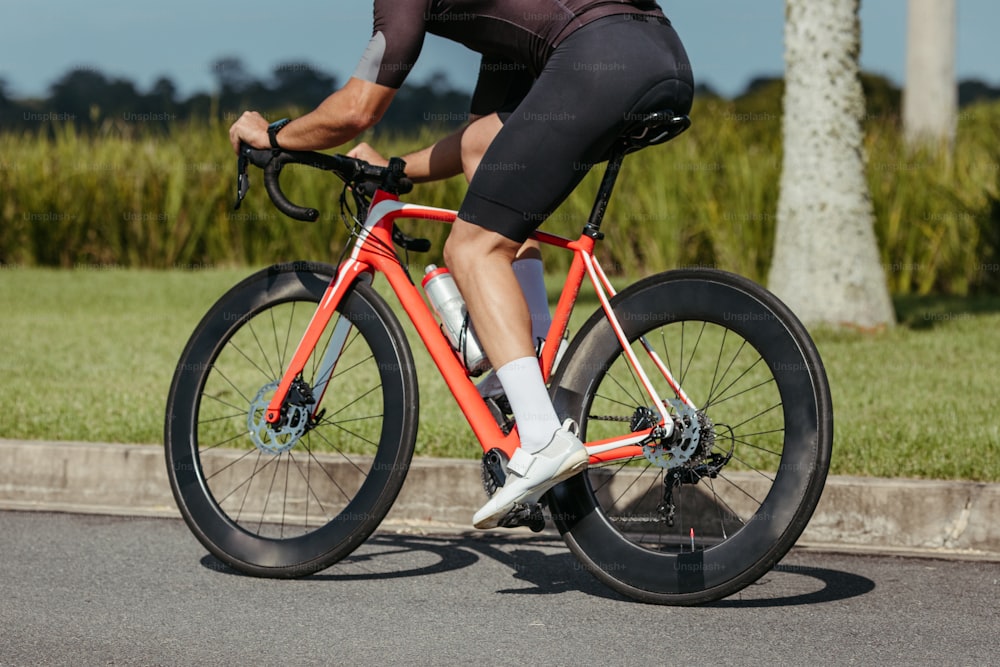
<point>700,576</point>
<point>318,549</point>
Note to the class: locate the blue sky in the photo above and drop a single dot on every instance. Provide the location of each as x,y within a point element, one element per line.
<point>729,41</point>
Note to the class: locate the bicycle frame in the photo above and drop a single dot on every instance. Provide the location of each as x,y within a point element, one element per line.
<point>368,257</point>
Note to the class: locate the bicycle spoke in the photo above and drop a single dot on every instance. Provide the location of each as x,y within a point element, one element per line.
<point>253,332</point>
<point>718,398</point>
<point>214,420</point>
<point>694,353</point>
<point>284,503</point>
<point>226,442</point>
<point>267,499</point>
<point>717,380</point>
<point>356,400</point>
<point>769,381</point>
<point>334,447</point>
<point>776,406</point>
<point>248,483</point>
<point>309,486</point>
<point>216,369</point>
<point>729,380</point>
<point>268,375</point>
<point>312,459</point>
<point>715,372</point>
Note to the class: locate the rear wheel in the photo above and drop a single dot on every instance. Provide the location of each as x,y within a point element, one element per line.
<point>705,512</point>
<point>291,499</point>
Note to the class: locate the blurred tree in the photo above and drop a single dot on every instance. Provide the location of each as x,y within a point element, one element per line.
<point>88,97</point>
<point>164,91</point>
<point>882,98</point>
<point>300,85</point>
<point>236,89</point>
<point>231,76</point>
<point>826,264</point>
<point>434,103</point>
<point>930,99</point>
<point>6,106</point>
<point>974,90</point>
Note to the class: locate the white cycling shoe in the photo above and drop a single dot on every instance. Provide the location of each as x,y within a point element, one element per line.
<point>529,476</point>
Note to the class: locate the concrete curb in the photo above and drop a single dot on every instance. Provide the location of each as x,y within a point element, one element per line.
<point>901,516</point>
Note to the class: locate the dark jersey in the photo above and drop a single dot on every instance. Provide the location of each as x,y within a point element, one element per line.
<point>515,37</point>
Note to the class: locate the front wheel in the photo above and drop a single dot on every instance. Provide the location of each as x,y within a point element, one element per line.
<point>288,499</point>
<point>700,516</point>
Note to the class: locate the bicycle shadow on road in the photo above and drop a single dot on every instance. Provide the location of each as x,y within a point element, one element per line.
<point>837,585</point>
<point>545,564</point>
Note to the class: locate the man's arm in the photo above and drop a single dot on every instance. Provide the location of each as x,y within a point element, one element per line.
<point>340,118</point>
<point>440,160</point>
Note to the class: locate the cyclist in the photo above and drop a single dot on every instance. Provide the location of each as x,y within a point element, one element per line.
<point>559,82</point>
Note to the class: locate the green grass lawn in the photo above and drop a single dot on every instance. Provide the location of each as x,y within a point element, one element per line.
<point>89,356</point>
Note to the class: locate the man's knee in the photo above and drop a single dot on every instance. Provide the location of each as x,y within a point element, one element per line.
<point>453,253</point>
<point>459,246</point>
<point>469,244</point>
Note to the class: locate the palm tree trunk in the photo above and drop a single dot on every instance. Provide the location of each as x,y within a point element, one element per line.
<point>930,99</point>
<point>826,264</point>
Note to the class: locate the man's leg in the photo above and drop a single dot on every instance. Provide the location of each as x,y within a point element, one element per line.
<point>480,261</point>
<point>527,264</point>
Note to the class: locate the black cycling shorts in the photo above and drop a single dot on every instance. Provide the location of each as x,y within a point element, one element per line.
<point>598,79</point>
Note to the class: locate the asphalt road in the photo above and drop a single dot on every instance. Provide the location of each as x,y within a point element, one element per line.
<point>98,590</point>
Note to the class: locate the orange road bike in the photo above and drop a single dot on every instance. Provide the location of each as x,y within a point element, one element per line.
<point>292,415</point>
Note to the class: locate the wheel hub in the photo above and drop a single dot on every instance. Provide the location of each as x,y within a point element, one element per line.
<point>282,436</point>
<point>692,437</point>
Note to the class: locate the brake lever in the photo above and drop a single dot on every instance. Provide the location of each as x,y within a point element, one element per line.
<point>242,180</point>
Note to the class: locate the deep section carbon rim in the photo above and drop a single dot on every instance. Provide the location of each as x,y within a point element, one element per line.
<point>288,500</point>
<point>666,530</point>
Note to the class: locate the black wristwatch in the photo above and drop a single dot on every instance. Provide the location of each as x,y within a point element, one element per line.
<point>273,129</point>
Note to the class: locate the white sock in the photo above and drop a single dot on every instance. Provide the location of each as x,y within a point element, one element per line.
<point>531,276</point>
<point>530,403</point>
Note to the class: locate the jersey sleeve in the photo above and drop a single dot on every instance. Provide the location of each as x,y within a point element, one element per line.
<point>398,33</point>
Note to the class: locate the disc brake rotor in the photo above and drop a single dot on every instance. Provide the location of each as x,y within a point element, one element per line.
<point>684,444</point>
<point>275,438</point>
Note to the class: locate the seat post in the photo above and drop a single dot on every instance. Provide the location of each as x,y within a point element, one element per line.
<point>654,128</point>
<point>593,226</point>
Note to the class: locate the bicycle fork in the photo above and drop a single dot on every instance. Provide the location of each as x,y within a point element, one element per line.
<point>348,273</point>
<point>362,264</point>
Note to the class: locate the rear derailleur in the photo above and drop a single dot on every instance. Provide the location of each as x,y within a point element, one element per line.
<point>686,454</point>
<point>709,467</point>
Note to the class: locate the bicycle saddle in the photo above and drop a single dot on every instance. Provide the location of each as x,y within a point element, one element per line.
<point>654,128</point>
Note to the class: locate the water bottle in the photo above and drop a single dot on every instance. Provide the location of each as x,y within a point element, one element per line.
<point>449,305</point>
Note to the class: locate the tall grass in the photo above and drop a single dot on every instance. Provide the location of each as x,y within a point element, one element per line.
<point>938,212</point>
<point>708,198</point>
<point>139,202</point>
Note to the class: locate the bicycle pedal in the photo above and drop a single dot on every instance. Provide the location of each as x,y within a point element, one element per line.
<point>524,515</point>
<point>494,471</point>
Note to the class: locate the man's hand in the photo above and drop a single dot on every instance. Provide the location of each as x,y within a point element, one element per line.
<point>365,152</point>
<point>250,128</point>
